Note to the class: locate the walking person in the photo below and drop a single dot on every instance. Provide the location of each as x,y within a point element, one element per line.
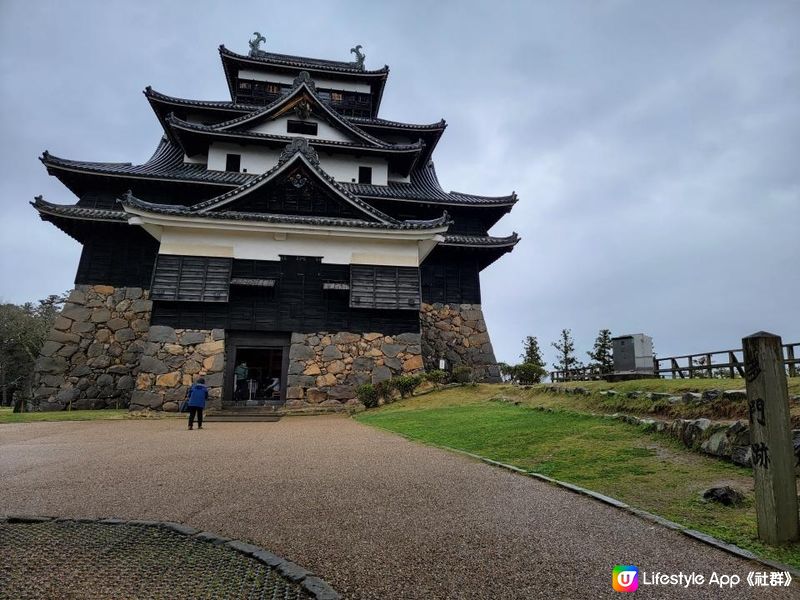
<point>197,396</point>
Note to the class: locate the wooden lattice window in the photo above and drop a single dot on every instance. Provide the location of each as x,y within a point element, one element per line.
<point>191,278</point>
<point>391,288</point>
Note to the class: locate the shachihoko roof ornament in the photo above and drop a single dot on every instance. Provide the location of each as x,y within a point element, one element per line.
<point>360,57</point>
<point>255,45</point>
<point>304,77</point>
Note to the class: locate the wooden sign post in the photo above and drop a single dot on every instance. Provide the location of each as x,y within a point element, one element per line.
<point>771,439</point>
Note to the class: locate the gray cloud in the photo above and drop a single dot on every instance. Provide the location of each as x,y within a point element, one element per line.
<point>653,145</point>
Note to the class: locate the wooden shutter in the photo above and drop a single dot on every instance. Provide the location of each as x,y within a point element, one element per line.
<point>392,288</point>
<point>191,278</point>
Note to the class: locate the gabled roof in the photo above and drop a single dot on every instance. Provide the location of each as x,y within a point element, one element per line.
<point>303,88</point>
<point>425,187</point>
<point>298,151</point>
<point>232,62</point>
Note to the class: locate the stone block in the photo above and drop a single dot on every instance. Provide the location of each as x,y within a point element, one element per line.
<point>408,338</point>
<point>346,338</point>
<point>176,394</point>
<point>125,335</point>
<point>62,323</point>
<point>734,395</point>
<point>214,380</point>
<point>63,337</point>
<point>142,306</point>
<point>331,353</point>
<point>125,383</point>
<point>77,297</point>
<point>161,333</point>
<point>392,350</point>
<point>191,338</point>
<point>67,396</point>
<point>341,392</point>
<point>326,380</point>
<point>301,352</point>
<point>140,325</point>
<point>215,363</point>
<point>174,349</point>
<point>297,367</point>
<point>79,314</point>
<point>217,334</point>
<point>313,369</point>
<point>51,364</point>
<point>294,392</point>
<point>304,381</point>
<point>363,363</point>
<point>316,395</point>
<point>50,347</point>
<point>148,364</point>
<point>170,407</point>
<point>101,315</point>
<point>209,348</point>
<point>103,290</point>
<point>169,379</point>
<point>393,363</point>
<point>335,367</point>
<point>413,364</point>
<point>381,374</point>
<point>146,398</point>
<point>105,380</point>
<point>370,337</point>
<point>133,293</point>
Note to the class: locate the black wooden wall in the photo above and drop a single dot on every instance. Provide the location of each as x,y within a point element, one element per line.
<point>296,303</point>
<point>118,255</point>
<point>451,276</point>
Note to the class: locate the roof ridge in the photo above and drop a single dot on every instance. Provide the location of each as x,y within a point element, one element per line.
<point>300,61</point>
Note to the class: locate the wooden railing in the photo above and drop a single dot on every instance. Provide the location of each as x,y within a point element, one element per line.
<point>703,365</point>
<point>709,364</point>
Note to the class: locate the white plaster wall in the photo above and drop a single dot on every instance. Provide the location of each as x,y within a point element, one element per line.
<point>258,160</point>
<point>324,131</point>
<point>255,159</point>
<point>345,168</point>
<point>321,83</point>
<point>265,246</point>
<point>200,159</point>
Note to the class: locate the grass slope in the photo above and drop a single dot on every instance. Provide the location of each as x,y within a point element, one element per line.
<point>646,470</point>
<point>7,416</point>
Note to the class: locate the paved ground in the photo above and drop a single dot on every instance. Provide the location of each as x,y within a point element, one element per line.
<point>371,513</point>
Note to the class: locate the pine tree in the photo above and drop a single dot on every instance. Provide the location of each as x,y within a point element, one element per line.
<point>531,353</point>
<point>601,354</point>
<point>566,352</point>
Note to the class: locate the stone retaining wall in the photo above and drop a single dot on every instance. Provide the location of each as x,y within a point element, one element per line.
<point>171,360</point>
<point>90,357</point>
<point>458,333</point>
<point>325,368</point>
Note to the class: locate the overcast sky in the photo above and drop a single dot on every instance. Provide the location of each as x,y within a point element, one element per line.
<point>655,146</point>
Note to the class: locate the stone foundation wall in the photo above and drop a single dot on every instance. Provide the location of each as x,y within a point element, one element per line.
<point>325,368</point>
<point>171,360</point>
<point>458,333</point>
<point>90,357</point>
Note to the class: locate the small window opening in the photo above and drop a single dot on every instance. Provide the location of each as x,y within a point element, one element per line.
<point>233,162</point>
<point>364,174</point>
<point>305,127</point>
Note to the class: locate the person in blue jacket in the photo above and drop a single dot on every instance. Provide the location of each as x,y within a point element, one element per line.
<point>197,396</point>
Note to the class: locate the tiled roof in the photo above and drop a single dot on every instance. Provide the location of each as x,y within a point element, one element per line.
<point>152,94</point>
<point>480,241</point>
<point>302,62</point>
<point>175,122</point>
<point>299,150</point>
<point>425,186</point>
<point>441,124</point>
<point>166,163</point>
<point>166,209</point>
<point>77,212</point>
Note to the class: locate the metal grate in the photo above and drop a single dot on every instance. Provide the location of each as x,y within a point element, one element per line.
<point>69,559</point>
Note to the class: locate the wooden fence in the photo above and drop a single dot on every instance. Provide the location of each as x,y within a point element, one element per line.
<point>722,363</point>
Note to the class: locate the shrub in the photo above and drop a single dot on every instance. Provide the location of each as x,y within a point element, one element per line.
<point>367,394</point>
<point>462,374</point>
<point>437,377</point>
<point>384,390</point>
<point>406,384</point>
<point>528,373</point>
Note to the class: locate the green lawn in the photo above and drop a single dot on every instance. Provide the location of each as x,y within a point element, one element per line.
<point>646,470</point>
<point>7,416</point>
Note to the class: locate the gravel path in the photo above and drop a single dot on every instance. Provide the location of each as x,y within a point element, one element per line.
<point>371,513</point>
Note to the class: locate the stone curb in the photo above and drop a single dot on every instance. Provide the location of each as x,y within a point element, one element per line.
<point>315,586</point>
<point>642,514</point>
